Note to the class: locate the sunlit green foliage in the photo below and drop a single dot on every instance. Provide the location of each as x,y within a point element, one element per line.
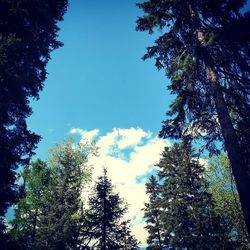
<point>50,214</point>
<point>225,195</point>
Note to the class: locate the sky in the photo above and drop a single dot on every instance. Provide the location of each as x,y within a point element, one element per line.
<point>98,79</point>
<point>98,88</point>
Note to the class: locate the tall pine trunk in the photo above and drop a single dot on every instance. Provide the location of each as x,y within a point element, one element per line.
<point>158,232</point>
<point>238,163</point>
<point>104,221</point>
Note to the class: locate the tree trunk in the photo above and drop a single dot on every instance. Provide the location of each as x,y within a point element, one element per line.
<point>33,234</point>
<point>238,163</point>
<point>158,229</point>
<point>104,232</point>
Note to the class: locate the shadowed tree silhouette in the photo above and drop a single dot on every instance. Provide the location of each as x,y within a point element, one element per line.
<point>28,34</point>
<point>108,230</point>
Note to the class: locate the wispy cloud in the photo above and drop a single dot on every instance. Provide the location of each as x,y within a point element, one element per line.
<point>129,155</point>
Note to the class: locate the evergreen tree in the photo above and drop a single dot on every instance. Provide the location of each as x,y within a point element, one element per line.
<point>36,179</point>
<point>28,34</point>
<point>188,215</point>
<point>204,48</point>
<point>152,212</point>
<point>106,209</point>
<point>61,211</point>
<point>124,238</point>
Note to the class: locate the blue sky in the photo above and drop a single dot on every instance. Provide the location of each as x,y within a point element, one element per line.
<point>98,79</point>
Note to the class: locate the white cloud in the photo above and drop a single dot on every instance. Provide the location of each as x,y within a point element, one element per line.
<point>120,139</point>
<point>131,137</point>
<point>86,136</point>
<point>129,155</point>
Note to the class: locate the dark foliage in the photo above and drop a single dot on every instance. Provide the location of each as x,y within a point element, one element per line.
<point>107,229</point>
<point>28,34</point>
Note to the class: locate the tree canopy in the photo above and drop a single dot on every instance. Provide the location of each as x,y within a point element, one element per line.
<point>28,34</point>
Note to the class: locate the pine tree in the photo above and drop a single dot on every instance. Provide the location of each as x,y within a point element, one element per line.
<point>28,34</point>
<point>204,48</point>
<point>106,211</point>
<point>152,212</point>
<point>188,215</point>
<point>61,211</point>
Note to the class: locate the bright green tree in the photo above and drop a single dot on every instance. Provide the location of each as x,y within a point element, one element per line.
<point>28,34</point>
<point>225,195</point>
<point>107,228</point>
<point>60,213</point>
<point>36,179</point>
<point>188,211</point>
<point>208,66</point>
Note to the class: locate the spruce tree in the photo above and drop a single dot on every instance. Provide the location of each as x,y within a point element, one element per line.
<point>188,215</point>
<point>108,230</point>
<point>152,212</point>
<point>204,48</point>
<point>61,211</point>
<point>28,34</point>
